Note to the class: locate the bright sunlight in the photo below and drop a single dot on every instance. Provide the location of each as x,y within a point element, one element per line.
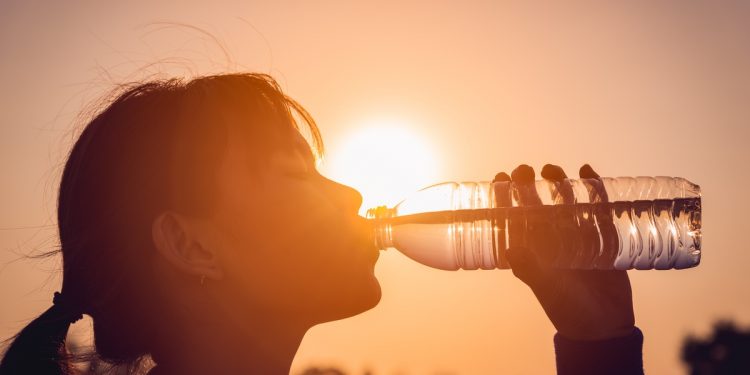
<point>382,159</point>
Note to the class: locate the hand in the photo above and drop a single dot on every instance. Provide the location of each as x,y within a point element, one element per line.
<point>582,304</point>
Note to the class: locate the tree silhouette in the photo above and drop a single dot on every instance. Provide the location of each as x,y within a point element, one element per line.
<point>727,351</point>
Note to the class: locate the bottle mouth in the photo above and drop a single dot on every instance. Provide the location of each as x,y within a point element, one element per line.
<point>382,229</point>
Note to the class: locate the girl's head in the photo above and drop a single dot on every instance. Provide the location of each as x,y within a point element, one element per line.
<point>203,195</point>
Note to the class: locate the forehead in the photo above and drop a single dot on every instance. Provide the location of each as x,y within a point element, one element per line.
<point>258,140</point>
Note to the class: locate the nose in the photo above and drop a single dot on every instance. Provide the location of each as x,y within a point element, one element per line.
<point>348,197</point>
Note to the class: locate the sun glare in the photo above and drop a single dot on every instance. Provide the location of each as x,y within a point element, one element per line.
<point>384,160</point>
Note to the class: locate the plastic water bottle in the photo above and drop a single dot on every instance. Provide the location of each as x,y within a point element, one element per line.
<point>609,223</point>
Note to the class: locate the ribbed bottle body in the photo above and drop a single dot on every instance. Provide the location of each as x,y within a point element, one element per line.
<point>610,223</point>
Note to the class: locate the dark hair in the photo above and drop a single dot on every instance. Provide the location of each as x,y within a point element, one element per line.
<point>154,147</point>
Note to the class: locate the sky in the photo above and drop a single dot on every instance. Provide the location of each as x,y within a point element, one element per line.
<point>456,91</point>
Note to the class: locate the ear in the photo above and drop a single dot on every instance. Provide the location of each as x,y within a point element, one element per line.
<point>186,245</point>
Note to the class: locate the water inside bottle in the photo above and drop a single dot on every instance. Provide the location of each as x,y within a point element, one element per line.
<point>646,234</point>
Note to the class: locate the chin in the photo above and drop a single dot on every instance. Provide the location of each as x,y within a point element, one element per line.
<point>365,299</point>
<point>375,294</point>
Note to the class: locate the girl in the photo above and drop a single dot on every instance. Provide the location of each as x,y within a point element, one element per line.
<point>195,230</point>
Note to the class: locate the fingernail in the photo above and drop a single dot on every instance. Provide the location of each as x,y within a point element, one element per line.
<point>501,177</point>
<point>523,174</point>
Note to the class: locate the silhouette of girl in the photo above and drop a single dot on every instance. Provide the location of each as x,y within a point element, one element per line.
<point>195,230</point>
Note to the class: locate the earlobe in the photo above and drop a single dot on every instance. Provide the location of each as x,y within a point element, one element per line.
<point>185,245</point>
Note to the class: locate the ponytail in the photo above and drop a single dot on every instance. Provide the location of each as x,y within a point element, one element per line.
<point>40,347</point>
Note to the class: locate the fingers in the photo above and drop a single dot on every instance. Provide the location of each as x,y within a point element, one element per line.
<point>553,172</point>
<point>524,182</point>
<point>594,184</point>
<point>502,190</point>
<point>564,192</point>
<point>523,174</point>
<point>501,177</point>
<point>523,177</point>
<point>587,172</point>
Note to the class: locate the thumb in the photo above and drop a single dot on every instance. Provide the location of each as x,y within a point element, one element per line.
<point>525,266</point>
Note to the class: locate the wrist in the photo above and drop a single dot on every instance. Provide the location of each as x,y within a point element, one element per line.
<point>597,333</point>
<point>619,355</point>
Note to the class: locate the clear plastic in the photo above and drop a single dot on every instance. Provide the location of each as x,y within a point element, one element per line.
<point>609,223</point>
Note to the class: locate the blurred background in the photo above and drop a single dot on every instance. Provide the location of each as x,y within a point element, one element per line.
<point>409,93</point>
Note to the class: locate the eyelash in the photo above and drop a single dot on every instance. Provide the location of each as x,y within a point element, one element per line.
<point>302,175</point>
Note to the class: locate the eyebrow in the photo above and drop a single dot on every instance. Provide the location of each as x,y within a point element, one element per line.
<point>303,147</point>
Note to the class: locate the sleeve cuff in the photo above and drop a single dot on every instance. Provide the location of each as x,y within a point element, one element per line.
<point>617,356</point>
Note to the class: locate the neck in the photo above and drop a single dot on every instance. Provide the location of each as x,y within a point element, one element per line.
<point>223,339</point>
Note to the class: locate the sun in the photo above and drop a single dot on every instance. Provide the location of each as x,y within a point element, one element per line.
<point>383,159</point>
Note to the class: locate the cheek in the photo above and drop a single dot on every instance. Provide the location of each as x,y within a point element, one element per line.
<point>330,269</point>
<point>294,255</point>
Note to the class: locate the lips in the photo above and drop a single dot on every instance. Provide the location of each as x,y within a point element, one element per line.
<point>367,246</point>
<point>366,240</point>
<point>375,253</point>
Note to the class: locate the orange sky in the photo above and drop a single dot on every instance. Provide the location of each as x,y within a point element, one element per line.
<point>635,88</point>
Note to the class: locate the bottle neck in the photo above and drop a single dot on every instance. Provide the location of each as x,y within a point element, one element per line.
<point>382,229</point>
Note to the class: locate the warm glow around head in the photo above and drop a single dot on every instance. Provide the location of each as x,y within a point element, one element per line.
<point>383,159</point>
